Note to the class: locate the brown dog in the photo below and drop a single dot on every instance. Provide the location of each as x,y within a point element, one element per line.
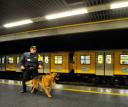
<point>47,82</point>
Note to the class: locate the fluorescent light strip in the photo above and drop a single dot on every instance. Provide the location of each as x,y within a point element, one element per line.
<point>67,13</point>
<point>119,5</point>
<point>18,23</point>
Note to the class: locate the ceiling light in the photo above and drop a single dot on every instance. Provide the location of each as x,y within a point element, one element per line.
<point>119,5</point>
<point>67,13</point>
<point>18,23</point>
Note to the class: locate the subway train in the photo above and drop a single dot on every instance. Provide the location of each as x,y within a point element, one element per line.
<point>105,66</point>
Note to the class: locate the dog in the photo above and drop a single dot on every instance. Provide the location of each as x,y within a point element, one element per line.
<point>46,82</point>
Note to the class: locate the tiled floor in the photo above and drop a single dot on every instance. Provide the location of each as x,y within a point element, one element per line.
<point>64,96</point>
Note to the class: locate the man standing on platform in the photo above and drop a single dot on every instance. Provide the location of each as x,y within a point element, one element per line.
<point>30,63</point>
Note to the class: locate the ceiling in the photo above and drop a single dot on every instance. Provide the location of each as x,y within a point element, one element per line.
<point>14,10</point>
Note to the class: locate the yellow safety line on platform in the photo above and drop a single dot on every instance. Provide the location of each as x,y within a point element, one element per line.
<point>10,84</point>
<point>95,92</point>
<point>84,91</point>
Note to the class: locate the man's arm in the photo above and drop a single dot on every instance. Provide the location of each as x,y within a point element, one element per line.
<point>22,60</point>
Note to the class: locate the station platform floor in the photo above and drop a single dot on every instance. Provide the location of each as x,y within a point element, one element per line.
<point>63,96</point>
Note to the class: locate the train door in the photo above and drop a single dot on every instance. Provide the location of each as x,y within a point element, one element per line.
<point>2,63</point>
<point>18,63</point>
<point>104,63</point>
<point>45,58</point>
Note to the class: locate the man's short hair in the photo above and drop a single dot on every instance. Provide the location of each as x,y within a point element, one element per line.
<point>33,46</point>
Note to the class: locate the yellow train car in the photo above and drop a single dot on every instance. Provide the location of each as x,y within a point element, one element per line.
<point>106,63</point>
<point>100,63</point>
<point>60,62</point>
<point>107,66</point>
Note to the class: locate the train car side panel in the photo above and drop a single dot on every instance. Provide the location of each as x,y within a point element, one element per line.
<point>60,62</point>
<point>85,62</point>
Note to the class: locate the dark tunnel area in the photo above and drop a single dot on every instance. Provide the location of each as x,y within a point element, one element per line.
<point>98,40</point>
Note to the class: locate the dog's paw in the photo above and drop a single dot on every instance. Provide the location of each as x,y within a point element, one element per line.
<point>49,96</point>
<point>32,92</point>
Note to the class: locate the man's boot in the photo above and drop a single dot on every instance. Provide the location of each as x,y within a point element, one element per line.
<point>24,89</point>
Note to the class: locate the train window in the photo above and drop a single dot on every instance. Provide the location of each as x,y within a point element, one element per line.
<point>85,59</point>
<point>58,59</point>
<point>100,59</point>
<point>0,60</point>
<point>3,60</point>
<point>18,59</point>
<point>123,59</point>
<point>108,59</point>
<point>10,60</point>
<point>46,59</point>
